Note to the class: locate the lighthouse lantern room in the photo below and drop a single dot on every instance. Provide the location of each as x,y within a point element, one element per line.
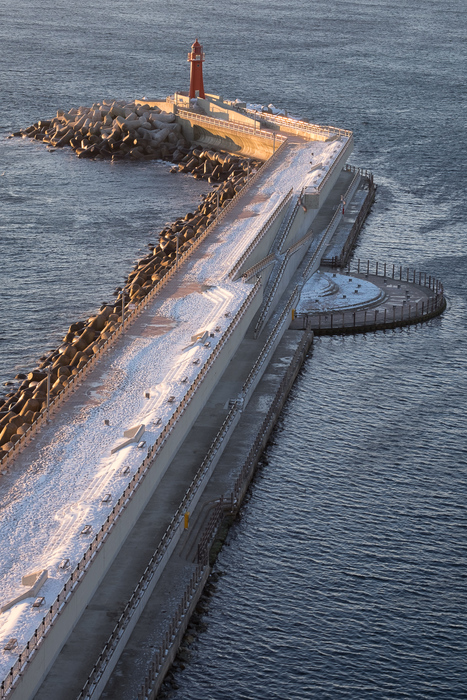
<point>196,59</point>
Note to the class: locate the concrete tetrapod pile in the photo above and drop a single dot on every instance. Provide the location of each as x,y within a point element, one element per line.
<point>115,129</point>
<point>21,407</point>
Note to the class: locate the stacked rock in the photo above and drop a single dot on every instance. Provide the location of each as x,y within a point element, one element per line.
<point>113,130</point>
<point>21,407</point>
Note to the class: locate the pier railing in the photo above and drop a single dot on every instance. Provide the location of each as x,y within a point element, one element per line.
<point>143,588</point>
<point>230,126</point>
<point>179,622</point>
<point>306,128</point>
<point>341,260</point>
<point>269,347</point>
<point>272,292</point>
<point>392,316</point>
<point>261,233</point>
<point>161,661</point>
<point>99,539</point>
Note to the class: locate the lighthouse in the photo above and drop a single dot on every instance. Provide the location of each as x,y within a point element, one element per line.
<point>196,59</point>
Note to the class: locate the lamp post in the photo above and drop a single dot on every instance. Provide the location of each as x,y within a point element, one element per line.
<point>48,390</point>
<point>177,236</point>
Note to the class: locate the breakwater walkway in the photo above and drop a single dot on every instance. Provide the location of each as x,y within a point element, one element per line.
<point>81,495</point>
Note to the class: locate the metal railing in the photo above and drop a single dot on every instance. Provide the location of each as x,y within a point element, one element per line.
<point>76,576</point>
<point>181,614</point>
<point>261,265</point>
<point>263,230</point>
<point>341,260</point>
<point>288,224</point>
<point>265,353</point>
<point>398,316</point>
<point>305,127</point>
<point>268,422</point>
<point>231,126</point>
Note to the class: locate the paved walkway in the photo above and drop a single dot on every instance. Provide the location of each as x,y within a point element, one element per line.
<point>85,644</point>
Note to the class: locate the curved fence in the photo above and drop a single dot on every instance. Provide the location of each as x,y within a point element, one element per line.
<point>393,315</point>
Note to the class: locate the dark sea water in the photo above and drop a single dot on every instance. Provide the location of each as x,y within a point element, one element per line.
<point>345,576</point>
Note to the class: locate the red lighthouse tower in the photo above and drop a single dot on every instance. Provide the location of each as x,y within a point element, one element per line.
<point>196,58</point>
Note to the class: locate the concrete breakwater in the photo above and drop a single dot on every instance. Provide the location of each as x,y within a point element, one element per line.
<point>112,129</point>
<point>23,406</point>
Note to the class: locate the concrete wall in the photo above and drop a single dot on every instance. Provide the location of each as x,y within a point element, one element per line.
<point>236,142</point>
<point>314,198</point>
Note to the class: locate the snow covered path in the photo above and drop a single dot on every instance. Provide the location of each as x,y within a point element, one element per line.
<point>58,483</point>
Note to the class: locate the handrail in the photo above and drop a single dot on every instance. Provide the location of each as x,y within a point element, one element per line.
<point>183,609</point>
<point>298,124</point>
<point>266,425</point>
<point>263,230</point>
<point>408,313</point>
<point>261,359</point>
<point>288,225</point>
<point>100,538</point>
<point>232,126</point>
<point>258,267</point>
<point>272,293</point>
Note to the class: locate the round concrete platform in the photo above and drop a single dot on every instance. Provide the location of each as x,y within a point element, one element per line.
<point>334,303</point>
<point>326,292</point>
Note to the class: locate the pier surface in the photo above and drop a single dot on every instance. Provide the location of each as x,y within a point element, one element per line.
<point>68,478</point>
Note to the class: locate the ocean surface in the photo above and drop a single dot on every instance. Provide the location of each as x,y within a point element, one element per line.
<point>345,576</point>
